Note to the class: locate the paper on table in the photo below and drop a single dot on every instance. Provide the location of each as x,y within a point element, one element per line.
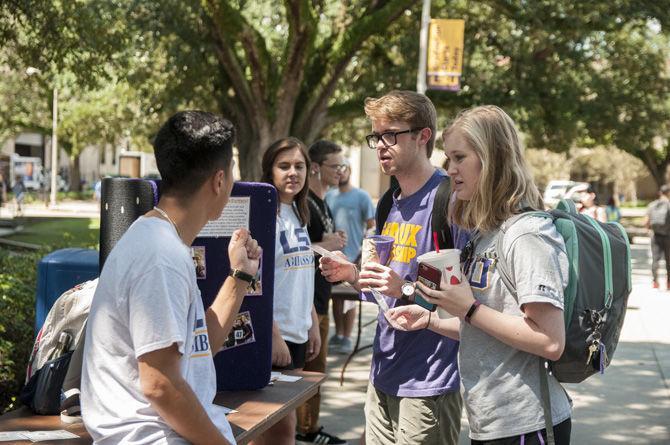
<point>279,377</point>
<point>226,410</point>
<point>6,436</point>
<point>37,436</point>
<point>288,378</point>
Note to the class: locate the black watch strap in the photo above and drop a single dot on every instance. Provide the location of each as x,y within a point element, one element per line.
<point>239,274</point>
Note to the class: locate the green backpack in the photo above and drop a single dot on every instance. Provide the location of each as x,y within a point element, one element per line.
<point>596,297</point>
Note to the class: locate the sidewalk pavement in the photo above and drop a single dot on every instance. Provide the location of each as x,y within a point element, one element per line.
<point>63,209</point>
<point>629,404</point>
<point>9,224</point>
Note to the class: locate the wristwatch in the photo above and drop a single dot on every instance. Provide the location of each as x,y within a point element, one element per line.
<point>408,289</point>
<point>241,275</point>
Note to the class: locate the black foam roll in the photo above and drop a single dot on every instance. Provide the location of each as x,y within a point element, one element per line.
<point>122,201</point>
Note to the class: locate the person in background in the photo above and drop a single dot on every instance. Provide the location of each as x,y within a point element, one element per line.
<point>325,169</point>
<point>3,190</point>
<point>97,190</point>
<point>501,335</point>
<point>354,214</point>
<point>19,191</point>
<point>658,221</point>
<point>612,210</point>
<point>295,329</point>
<point>590,206</point>
<point>148,372</point>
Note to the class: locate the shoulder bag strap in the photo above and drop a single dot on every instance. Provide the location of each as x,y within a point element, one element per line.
<point>383,209</point>
<point>546,401</point>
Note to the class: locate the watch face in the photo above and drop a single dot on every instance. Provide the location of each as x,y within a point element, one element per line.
<point>407,289</point>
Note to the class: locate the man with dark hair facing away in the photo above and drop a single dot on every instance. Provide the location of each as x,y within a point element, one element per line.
<point>148,373</point>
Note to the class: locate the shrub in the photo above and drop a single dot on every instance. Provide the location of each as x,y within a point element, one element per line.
<point>17,315</point>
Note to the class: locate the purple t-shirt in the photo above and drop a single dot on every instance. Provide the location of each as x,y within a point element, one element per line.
<point>419,363</point>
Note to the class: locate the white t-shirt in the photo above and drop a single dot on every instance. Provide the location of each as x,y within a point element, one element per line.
<point>147,299</point>
<point>501,384</point>
<point>294,277</point>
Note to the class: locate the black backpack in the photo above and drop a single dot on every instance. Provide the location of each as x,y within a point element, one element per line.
<point>439,222</point>
<point>659,217</point>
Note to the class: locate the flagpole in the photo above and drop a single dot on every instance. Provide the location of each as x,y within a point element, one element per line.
<point>423,48</point>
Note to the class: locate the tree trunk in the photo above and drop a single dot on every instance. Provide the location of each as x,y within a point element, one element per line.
<point>251,145</point>
<point>75,174</point>
<point>315,129</point>
<point>657,170</point>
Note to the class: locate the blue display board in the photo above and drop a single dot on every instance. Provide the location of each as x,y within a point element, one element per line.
<point>246,361</point>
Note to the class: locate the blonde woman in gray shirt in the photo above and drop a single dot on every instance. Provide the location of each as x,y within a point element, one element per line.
<point>500,336</point>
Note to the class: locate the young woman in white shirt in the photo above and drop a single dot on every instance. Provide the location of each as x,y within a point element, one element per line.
<point>295,330</point>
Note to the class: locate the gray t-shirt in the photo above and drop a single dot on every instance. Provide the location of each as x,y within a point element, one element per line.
<point>501,384</point>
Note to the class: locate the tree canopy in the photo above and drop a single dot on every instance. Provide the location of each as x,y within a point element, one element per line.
<point>570,73</point>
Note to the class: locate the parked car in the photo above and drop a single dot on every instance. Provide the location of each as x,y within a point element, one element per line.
<point>556,190</point>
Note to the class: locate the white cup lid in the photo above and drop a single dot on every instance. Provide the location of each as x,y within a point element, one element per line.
<point>445,256</point>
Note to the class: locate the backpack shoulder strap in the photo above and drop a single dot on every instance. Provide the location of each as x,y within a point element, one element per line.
<point>439,222</point>
<point>383,208</point>
<point>503,267</point>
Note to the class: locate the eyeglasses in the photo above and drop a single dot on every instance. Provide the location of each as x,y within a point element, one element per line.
<point>338,167</point>
<point>388,138</point>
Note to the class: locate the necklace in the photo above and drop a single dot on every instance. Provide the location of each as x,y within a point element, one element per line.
<point>166,216</point>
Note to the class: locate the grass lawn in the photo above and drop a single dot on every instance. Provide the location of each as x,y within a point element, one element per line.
<point>60,232</point>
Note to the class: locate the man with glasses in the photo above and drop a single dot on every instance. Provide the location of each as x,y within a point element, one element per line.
<point>413,396</point>
<point>327,165</point>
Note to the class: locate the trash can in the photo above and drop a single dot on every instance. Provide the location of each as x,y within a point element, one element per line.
<point>60,271</point>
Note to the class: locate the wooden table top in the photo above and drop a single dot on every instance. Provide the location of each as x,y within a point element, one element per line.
<point>257,411</point>
<point>260,409</point>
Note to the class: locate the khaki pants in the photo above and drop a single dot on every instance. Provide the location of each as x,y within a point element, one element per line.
<point>308,412</point>
<point>412,420</point>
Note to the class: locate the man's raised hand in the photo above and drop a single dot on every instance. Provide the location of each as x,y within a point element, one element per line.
<point>244,252</point>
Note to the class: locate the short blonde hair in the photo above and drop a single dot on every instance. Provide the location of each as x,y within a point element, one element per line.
<point>505,184</point>
<point>405,106</point>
